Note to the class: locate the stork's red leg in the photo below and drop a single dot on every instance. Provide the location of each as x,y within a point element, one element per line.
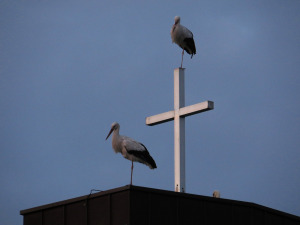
<point>182,57</point>
<point>131,172</point>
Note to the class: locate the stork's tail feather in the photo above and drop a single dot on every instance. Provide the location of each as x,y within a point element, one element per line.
<point>144,156</point>
<point>149,160</point>
<point>152,164</point>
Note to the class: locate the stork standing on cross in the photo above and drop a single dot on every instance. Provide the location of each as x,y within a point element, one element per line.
<point>183,37</point>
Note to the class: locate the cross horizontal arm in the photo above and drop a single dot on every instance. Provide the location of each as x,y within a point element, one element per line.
<point>196,108</point>
<point>183,112</point>
<point>160,118</point>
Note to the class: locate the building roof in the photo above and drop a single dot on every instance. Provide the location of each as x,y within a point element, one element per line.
<point>140,205</point>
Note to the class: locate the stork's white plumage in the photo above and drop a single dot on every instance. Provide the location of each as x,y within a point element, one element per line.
<point>130,149</point>
<point>183,37</point>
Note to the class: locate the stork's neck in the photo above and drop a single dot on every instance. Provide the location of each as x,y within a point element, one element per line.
<point>116,133</point>
<point>116,140</point>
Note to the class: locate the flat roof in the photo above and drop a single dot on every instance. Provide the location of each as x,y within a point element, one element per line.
<point>159,191</point>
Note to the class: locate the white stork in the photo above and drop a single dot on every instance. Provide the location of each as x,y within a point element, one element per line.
<point>183,37</point>
<point>130,149</point>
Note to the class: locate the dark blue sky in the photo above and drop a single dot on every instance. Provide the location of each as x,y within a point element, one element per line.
<point>68,69</point>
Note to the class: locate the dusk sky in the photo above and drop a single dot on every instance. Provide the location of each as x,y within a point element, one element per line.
<point>69,69</point>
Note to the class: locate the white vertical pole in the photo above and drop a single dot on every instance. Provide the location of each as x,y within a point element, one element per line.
<point>179,131</point>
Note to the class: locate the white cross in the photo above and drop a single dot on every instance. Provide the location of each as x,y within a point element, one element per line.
<point>178,115</point>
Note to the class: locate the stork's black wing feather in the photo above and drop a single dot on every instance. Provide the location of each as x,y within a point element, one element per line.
<point>143,155</point>
<point>190,47</point>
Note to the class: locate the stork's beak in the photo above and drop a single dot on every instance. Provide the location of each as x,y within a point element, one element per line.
<point>111,130</point>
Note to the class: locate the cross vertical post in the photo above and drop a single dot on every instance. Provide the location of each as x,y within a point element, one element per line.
<point>178,115</point>
<point>179,131</point>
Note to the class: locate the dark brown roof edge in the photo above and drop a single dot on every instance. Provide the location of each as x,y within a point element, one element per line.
<point>223,200</point>
<point>159,191</point>
<point>77,199</point>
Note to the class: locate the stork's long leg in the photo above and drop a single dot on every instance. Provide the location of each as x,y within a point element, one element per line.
<point>131,172</point>
<point>182,57</point>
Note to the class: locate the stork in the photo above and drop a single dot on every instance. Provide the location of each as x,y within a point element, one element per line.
<point>183,37</point>
<point>130,149</point>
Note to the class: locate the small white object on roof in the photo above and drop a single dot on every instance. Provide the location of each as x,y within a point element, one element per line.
<point>216,194</point>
